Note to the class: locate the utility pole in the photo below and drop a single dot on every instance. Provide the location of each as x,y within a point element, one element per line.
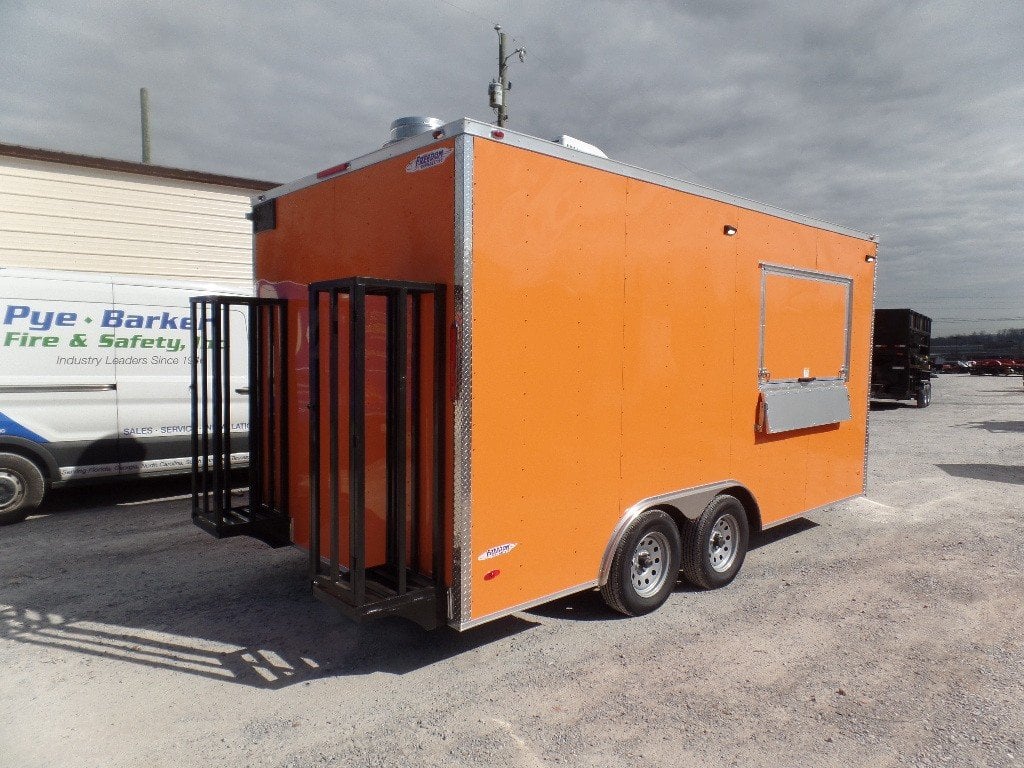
<point>502,76</point>
<point>144,105</point>
<point>498,89</point>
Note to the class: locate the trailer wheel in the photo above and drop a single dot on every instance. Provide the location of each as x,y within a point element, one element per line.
<point>645,566</point>
<point>924,394</point>
<point>715,544</point>
<point>21,487</point>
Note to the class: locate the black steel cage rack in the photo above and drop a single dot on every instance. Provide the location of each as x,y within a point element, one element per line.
<point>218,463</point>
<point>401,584</point>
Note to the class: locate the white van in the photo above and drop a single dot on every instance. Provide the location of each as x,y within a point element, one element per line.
<point>94,380</point>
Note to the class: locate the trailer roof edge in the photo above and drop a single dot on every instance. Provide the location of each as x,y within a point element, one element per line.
<point>482,130</point>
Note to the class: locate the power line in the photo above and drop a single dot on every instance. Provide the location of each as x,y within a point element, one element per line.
<point>944,299</point>
<point>466,10</point>
<point>980,319</point>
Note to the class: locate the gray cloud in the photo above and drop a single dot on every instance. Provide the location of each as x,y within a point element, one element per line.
<point>902,119</point>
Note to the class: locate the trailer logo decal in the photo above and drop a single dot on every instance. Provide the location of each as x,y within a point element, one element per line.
<point>502,549</point>
<point>428,160</point>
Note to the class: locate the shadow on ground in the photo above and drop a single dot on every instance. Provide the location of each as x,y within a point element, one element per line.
<point>118,576</point>
<point>780,532</point>
<point>996,426</point>
<point>118,572</point>
<point>889,405</point>
<point>390,645</point>
<point>124,492</point>
<point>583,606</point>
<point>999,473</point>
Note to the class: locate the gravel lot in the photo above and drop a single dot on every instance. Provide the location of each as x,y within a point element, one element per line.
<point>881,632</point>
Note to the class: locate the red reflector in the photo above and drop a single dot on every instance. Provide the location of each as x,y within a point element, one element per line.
<point>491,575</point>
<point>498,134</point>
<point>331,171</point>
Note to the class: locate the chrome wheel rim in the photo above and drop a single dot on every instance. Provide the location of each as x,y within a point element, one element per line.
<point>722,543</point>
<point>12,490</point>
<point>649,568</point>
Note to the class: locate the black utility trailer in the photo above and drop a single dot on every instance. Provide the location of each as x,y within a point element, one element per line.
<point>900,367</point>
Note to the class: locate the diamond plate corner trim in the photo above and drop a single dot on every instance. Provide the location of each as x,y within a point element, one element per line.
<point>464,369</point>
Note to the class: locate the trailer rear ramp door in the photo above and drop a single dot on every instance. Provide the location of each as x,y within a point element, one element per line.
<point>805,348</point>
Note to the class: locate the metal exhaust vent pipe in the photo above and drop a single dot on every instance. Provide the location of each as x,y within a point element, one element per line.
<point>404,127</point>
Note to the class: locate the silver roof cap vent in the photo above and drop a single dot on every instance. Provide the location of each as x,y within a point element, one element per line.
<point>404,127</point>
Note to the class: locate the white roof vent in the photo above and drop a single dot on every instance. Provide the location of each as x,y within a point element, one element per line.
<point>580,146</point>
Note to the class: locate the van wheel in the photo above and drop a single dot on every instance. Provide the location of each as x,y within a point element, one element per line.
<point>21,487</point>
<point>715,544</point>
<point>645,566</point>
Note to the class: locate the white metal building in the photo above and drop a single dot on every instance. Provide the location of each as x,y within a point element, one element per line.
<point>66,211</point>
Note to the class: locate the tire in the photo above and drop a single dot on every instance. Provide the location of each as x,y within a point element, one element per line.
<point>21,487</point>
<point>715,544</point>
<point>924,394</point>
<point>645,567</point>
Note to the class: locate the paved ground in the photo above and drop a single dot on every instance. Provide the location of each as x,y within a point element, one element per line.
<point>883,632</point>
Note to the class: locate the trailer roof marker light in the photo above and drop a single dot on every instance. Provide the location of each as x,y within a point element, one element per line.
<point>870,259</point>
<point>729,230</point>
<point>332,170</point>
<point>498,134</point>
<point>439,133</point>
<point>492,575</point>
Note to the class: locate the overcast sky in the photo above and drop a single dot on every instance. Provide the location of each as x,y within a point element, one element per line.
<point>899,118</point>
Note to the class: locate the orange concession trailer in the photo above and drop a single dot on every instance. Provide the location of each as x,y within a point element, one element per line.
<point>488,370</point>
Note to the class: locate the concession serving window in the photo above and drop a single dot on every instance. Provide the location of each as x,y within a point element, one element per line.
<point>805,348</point>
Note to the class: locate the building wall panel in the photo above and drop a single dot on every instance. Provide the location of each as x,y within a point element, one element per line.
<point>61,216</point>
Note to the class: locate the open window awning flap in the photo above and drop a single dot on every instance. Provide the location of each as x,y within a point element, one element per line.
<point>801,406</point>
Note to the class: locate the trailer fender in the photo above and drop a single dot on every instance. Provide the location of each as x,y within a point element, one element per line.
<point>686,504</point>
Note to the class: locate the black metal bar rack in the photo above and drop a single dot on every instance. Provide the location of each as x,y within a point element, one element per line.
<point>383,318</point>
<point>220,451</point>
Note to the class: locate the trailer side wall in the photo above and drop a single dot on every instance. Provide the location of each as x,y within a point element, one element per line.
<point>616,343</point>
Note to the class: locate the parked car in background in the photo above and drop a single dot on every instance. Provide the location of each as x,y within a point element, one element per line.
<point>1001,367</point>
<point>955,366</point>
